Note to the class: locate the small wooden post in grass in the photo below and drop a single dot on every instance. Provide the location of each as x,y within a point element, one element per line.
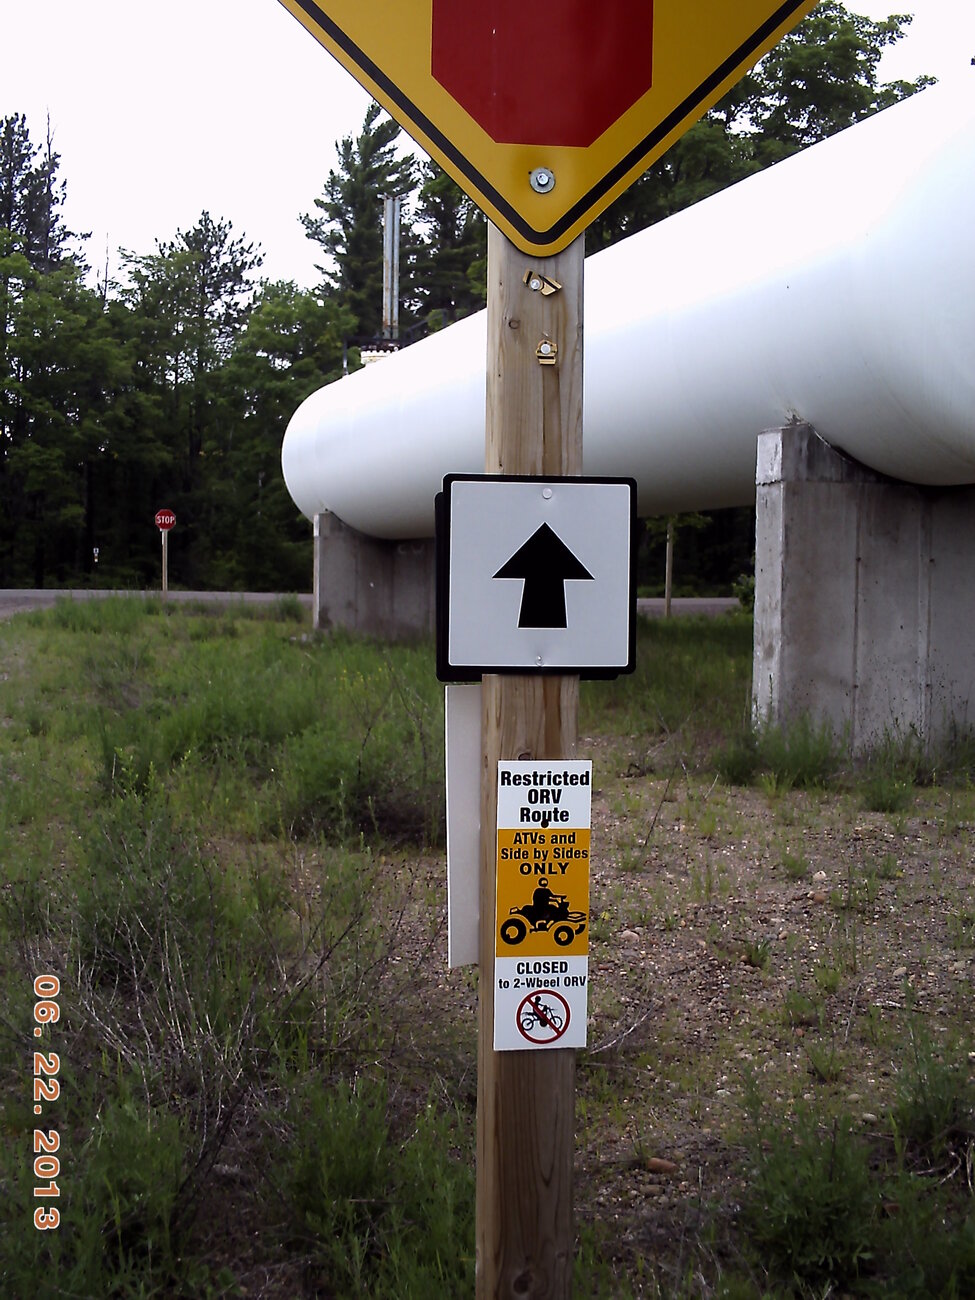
<point>526,1099</point>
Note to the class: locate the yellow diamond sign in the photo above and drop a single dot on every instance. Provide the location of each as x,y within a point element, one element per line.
<point>545,113</point>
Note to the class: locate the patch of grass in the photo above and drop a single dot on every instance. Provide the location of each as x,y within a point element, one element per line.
<point>800,1010</point>
<point>826,1061</point>
<point>124,1216</point>
<point>887,793</point>
<point>926,1243</point>
<point>888,868</point>
<point>828,1209</point>
<point>330,736</point>
<point>209,827</point>
<point>800,755</point>
<point>108,616</point>
<point>795,866</point>
<point>961,928</point>
<point>934,1110</point>
<point>757,953</point>
<point>828,977</point>
<point>372,1213</point>
<point>803,755</point>
<point>811,1208</point>
<point>737,760</point>
<point>692,676</point>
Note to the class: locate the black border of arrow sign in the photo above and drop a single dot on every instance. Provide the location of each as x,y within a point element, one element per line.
<point>457,672</point>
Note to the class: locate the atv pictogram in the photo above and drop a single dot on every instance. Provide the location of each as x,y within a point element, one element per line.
<point>546,912</point>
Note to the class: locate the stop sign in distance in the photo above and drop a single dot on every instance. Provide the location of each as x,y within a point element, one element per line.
<point>165,520</point>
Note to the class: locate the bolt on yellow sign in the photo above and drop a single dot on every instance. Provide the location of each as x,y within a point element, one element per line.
<point>542,114</point>
<point>542,917</point>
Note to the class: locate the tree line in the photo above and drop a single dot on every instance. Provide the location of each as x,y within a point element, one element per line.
<point>173,384</point>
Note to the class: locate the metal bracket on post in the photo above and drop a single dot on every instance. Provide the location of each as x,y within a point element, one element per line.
<point>538,283</point>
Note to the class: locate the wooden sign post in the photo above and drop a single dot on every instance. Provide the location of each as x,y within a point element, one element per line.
<point>526,1099</point>
<point>543,123</point>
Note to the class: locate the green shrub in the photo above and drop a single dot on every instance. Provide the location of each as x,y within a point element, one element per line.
<point>737,760</point>
<point>376,1215</point>
<point>811,1208</point>
<point>886,793</point>
<point>926,1245</point>
<point>934,1110</point>
<point>890,771</point>
<point>123,1218</point>
<point>801,754</point>
<point>115,615</point>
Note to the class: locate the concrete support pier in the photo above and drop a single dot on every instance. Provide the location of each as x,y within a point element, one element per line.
<point>370,585</point>
<point>864,596</point>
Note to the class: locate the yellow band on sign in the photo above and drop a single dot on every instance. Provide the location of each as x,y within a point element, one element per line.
<point>544,117</point>
<point>543,892</point>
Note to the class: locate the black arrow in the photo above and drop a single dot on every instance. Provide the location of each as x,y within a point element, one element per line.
<point>545,564</point>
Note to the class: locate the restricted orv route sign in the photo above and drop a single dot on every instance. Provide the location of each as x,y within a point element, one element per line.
<point>545,113</point>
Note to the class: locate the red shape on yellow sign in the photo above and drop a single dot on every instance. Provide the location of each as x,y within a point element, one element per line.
<point>545,113</point>
<point>531,76</point>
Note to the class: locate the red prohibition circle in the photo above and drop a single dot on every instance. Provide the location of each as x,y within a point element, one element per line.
<point>539,1017</point>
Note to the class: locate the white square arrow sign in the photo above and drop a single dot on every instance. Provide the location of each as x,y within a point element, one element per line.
<point>535,575</point>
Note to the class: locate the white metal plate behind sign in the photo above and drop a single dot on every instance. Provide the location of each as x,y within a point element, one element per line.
<point>536,575</point>
<point>462,717</point>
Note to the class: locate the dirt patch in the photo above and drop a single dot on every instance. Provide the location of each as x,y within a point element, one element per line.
<point>749,949</point>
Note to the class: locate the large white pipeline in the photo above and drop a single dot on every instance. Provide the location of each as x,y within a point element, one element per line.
<point>837,287</point>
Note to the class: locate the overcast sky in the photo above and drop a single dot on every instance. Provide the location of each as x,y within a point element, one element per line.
<point>161,110</point>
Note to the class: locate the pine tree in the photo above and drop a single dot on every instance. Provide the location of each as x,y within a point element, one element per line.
<point>448,258</point>
<point>820,78</point>
<point>348,224</point>
<point>192,298</point>
<point>291,346</point>
<point>31,195</point>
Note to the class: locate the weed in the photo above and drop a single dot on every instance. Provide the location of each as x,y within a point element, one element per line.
<point>934,1111</point>
<point>860,892</point>
<point>774,784</point>
<point>888,868</point>
<point>375,1215</point>
<point>926,1244</point>
<point>124,1218</point>
<point>811,1209</point>
<point>702,882</point>
<point>887,793</point>
<point>827,977</point>
<point>796,866</point>
<point>826,1062</point>
<point>801,755</point>
<point>757,953</point>
<point>801,1010</point>
<point>737,760</point>
<point>632,859</point>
